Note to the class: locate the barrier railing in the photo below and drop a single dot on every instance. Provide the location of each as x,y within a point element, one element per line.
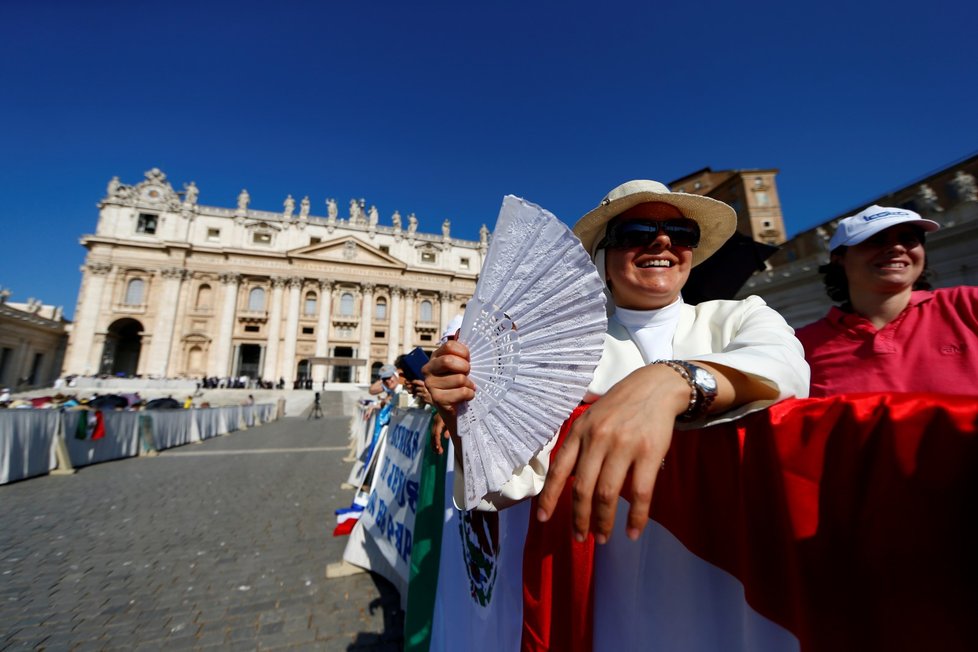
<point>36,442</point>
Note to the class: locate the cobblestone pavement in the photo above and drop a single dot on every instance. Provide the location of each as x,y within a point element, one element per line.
<point>219,545</point>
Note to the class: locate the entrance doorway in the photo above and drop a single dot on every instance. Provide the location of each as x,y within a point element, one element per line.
<point>123,342</point>
<point>342,373</point>
<point>249,360</point>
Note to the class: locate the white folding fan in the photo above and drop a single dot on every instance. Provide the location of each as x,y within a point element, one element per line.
<point>534,329</point>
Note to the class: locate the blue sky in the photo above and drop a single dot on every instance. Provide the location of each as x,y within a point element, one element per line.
<point>442,108</point>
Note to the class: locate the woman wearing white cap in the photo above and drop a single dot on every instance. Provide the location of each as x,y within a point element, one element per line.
<point>663,360</point>
<point>891,333</point>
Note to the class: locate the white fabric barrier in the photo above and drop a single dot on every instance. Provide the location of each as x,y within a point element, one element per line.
<point>28,436</point>
<point>209,422</point>
<point>27,443</point>
<point>232,417</point>
<point>382,539</point>
<point>121,438</point>
<point>368,420</point>
<point>172,428</point>
<point>266,412</point>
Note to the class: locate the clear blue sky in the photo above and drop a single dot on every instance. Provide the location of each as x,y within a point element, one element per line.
<point>441,108</point>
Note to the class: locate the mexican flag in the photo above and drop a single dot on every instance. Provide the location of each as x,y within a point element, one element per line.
<point>844,523</point>
<point>90,425</point>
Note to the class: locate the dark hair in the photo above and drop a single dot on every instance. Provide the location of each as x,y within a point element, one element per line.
<point>837,283</point>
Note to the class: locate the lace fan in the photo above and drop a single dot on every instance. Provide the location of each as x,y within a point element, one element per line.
<point>534,329</point>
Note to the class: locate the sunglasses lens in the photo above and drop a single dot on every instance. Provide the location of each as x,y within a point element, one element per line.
<point>682,233</point>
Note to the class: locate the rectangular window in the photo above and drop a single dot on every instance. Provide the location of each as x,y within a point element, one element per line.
<point>34,378</point>
<point>313,241</point>
<point>427,257</point>
<point>464,263</point>
<point>379,334</point>
<point>213,235</point>
<point>6,355</point>
<point>261,238</point>
<point>252,329</point>
<point>146,223</point>
<point>426,338</point>
<point>386,249</point>
<point>308,330</point>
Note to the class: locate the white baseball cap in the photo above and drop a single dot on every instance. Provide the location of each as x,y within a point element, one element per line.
<point>870,221</point>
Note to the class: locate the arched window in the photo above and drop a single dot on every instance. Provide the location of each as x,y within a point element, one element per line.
<point>203,297</point>
<point>426,311</point>
<point>134,292</point>
<point>346,304</point>
<point>195,358</point>
<point>381,309</point>
<point>310,306</point>
<point>256,299</point>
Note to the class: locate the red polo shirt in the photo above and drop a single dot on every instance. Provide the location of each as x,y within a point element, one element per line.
<point>932,346</point>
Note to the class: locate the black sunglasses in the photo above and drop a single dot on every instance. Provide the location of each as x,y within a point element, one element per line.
<point>682,232</point>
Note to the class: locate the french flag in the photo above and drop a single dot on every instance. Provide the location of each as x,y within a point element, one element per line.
<point>347,517</point>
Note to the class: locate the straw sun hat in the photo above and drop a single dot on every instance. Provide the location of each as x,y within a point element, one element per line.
<point>717,220</point>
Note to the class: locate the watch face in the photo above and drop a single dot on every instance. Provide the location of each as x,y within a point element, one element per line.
<point>705,380</point>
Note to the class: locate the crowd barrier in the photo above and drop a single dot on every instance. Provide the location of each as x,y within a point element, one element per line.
<point>30,440</point>
<point>818,524</point>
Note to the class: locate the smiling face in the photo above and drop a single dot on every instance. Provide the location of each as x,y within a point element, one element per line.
<point>889,262</point>
<point>651,276</point>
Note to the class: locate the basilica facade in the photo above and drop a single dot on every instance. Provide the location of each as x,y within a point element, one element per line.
<point>174,288</point>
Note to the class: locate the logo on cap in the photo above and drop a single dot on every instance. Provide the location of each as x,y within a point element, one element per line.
<point>876,216</point>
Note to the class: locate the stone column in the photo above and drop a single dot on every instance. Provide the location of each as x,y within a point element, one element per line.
<point>287,364</point>
<point>445,303</point>
<point>322,329</point>
<point>166,312</point>
<point>393,336</point>
<point>82,347</point>
<point>366,328</point>
<point>222,348</point>
<point>270,371</point>
<point>409,297</point>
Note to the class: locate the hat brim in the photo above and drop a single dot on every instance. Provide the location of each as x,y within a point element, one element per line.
<point>717,221</point>
<point>928,226</point>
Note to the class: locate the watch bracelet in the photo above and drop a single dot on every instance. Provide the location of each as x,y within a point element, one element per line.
<point>694,396</point>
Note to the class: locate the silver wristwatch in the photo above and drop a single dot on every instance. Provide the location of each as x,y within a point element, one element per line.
<point>702,386</point>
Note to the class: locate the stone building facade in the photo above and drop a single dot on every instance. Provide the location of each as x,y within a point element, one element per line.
<point>174,288</point>
<point>792,285</point>
<point>752,193</point>
<point>33,337</point>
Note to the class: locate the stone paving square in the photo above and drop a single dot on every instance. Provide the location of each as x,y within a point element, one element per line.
<point>220,545</point>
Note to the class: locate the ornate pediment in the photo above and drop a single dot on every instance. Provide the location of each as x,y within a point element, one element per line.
<point>261,226</point>
<point>347,250</point>
<point>153,192</point>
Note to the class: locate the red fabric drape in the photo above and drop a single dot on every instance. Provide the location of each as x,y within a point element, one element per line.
<point>849,520</point>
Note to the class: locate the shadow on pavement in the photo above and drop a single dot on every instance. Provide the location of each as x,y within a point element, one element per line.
<point>392,638</point>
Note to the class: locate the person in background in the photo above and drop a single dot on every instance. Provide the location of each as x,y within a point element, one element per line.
<point>387,381</point>
<point>891,332</point>
<point>188,402</point>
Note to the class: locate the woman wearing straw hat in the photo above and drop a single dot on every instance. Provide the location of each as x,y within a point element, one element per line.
<point>663,362</point>
<point>891,333</point>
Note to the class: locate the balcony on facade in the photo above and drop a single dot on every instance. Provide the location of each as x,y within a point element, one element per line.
<point>253,316</point>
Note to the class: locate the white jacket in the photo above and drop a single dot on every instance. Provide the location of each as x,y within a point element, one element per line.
<point>744,335</point>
